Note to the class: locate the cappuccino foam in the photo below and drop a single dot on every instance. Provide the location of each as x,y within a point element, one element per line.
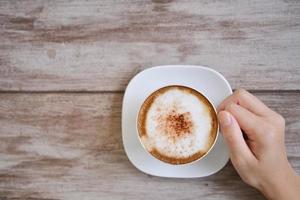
<point>179,125</point>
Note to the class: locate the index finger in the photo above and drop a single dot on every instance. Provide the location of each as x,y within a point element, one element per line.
<point>246,100</point>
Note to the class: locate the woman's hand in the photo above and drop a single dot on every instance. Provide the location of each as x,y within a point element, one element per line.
<point>255,136</point>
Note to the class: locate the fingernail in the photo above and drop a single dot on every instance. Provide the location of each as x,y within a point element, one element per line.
<point>225,119</point>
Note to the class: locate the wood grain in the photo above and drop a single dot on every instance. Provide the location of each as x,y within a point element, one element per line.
<point>99,45</point>
<point>65,63</point>
<point>68,146</point>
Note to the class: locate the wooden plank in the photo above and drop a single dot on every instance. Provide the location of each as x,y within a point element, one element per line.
<point>100,45</point>
<point>68,146</point>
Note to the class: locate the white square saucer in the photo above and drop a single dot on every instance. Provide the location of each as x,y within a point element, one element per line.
<point>209,82</point>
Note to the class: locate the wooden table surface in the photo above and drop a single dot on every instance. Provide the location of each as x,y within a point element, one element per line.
<point>64,66</point>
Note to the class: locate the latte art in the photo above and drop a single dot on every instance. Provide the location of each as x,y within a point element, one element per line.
<point>177,124</point>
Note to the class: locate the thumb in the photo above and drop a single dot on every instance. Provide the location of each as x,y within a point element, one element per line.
<point>233,136</point>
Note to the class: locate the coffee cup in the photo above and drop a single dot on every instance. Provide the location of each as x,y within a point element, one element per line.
<point>177,125</point>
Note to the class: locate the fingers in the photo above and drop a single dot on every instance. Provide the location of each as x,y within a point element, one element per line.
<point>234,138</point>
<point>248,121</point>
<point>246,100</point>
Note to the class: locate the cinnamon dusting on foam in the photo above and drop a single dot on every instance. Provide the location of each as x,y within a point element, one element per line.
<point>174,124</point>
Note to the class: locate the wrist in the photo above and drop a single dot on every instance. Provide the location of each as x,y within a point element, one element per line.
<point>283,187</point>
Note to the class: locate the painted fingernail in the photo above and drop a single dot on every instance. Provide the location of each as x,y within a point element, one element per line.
<point>225,119</point>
